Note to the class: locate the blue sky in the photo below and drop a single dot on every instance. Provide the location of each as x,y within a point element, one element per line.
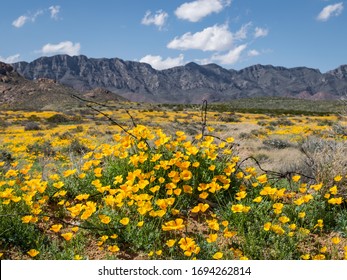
<point>232,33</point>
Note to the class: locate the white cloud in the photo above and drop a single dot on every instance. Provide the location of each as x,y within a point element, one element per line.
<point>329,11</point>
<point>214,38</point>
<point>54,11</point>
<point>252,53</point>
<point>230,57</point>
<point>66,47</point>
<point>159,63</point>
<point>260,32</point>
<point>158,19</point>
<point>10,59</point>
<point>196,10</point>
<point>20,21</point>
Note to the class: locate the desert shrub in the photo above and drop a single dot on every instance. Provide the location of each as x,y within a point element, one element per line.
<point>229,118</point>
<point>44,149</point>
<point>262,123</point>
<point>77,129</point>
<point>339,129</point>
<point>77,148</point>
<point>258,132</point>
<point>32,126</point>
<point>58,119</point>
<point>261,157</point>
<point>282,121</point>
<point>34,118</point>
<point>324,159</point>
<point>6,157</point>
<point>276,144</point>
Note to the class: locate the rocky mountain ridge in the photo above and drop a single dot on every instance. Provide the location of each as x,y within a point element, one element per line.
<point>190,83</point>
<point>18,93</point>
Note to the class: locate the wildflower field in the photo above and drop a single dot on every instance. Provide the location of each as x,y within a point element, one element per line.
<point>172,184</point>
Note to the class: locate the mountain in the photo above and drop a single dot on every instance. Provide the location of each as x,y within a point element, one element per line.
<point>18,93</point>
<point>190,83</point>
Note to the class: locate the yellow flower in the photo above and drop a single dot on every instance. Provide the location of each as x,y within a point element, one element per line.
<point>323,249</point>
<point>277,208</point>
<point>173,225</point>
<point>262,179</point>
<point>140,224</point>
<point>292,226</point>
<point>113,248</point>
<point>318,257</point>
<point>104,219</point>
<point>68,173</point>
<point>218,256</point>
<point>74,229</point>
<point>284,219</point>
<point>159,252</point>
<point>77,257</point>
<point>58,185</point>
<point>26,219</point>
<point>338,178</point>
<point>186,175</point>
<point>258,199</point>
<point>82,196</point>
<point>317,187</point>
<point>170,242</point>
<point>212,238</point>
<point>238,208</point>
<point>319,223</point>
<point>305,257</point>
<point>124,221</point>
<point>296,178</point>
<point>67,236</point>
<point>336,200</point>
<point>241,195</point>
<point>32,253</point>
<point>212,168</point>
<point>335,240</point>
<point>267,226</point>
<point>301,215</point>
<point>56,227</point>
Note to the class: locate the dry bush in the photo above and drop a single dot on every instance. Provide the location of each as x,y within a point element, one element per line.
<point>324,159</point>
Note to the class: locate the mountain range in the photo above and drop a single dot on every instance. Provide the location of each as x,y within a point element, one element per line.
<point>190,83</point>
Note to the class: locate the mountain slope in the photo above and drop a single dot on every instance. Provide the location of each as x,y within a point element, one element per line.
<point>18,93</point>
<point>186,84</point>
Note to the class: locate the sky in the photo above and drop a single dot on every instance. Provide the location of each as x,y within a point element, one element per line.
<point>166,33</point>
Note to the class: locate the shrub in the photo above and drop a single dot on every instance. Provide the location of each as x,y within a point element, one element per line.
<point>276,144</point>
<point>324,159</point>
<point>58,119</point>
<point>32,126</point>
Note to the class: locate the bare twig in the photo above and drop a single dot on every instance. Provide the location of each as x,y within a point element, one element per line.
<point>203,117</point>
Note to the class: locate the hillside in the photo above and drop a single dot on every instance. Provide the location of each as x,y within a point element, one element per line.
<point>18,93</point>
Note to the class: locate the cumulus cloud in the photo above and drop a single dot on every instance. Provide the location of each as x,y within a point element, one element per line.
<point>214,38</point>
<point>260,32</point>
<point>230,57</point>
<point>21,20</point>
<point>252,53</point>
<point>158,19</point>
<point>66,47</point>
<point>329,11</point>
<point>159,63</point>
<point>54,11</point>
<point>196,10</point>
<point>10,59</point>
